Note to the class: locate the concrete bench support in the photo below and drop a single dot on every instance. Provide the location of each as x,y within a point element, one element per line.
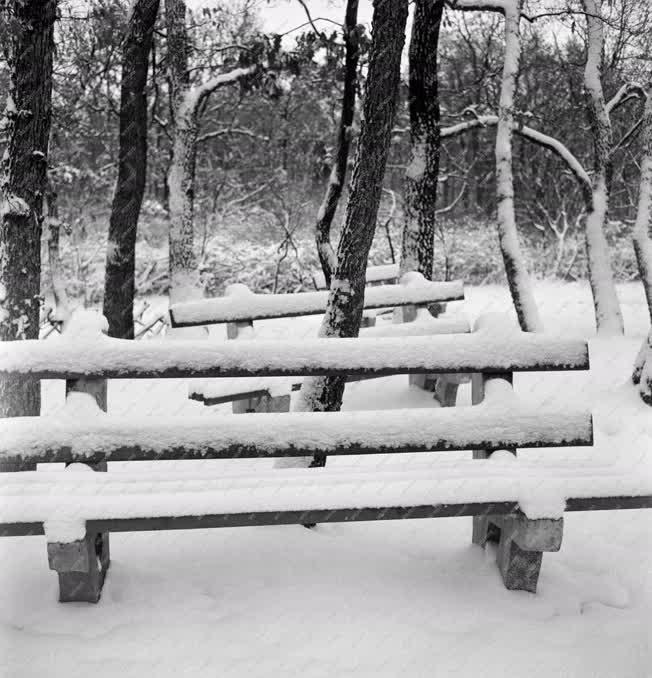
<point>521,541</point>
<point>82,565</point>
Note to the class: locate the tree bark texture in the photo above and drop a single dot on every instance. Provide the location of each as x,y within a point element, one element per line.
<point>608,316</point>
<point>515,269</point>
<point>417,250</point>
<point>643,226</point>
<point>337,177</point>
<point>344,310</point>
<point>119,283</point>
<point>23,185</point>
<point>185,283</point>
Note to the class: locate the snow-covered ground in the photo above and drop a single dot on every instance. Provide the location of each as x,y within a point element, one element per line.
<point>411,598</point>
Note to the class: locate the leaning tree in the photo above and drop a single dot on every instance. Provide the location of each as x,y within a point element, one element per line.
<point>346,298</point>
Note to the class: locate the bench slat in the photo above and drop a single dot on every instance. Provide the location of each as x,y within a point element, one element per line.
<point>266,306</point>
<point>27,440</point>
<point>72,498</point>
<point>326,516</point>
<point>104,357</point>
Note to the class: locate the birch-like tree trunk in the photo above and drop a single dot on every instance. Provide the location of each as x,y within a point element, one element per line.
<point>119,283</point>
<point>335,186</point>
<point>185,283</point>
<point>643,226</point>
<point>608,316</point>
<point>643,247</point>
<point>62,309</point>
<point>515,269</point>
<point>417,250</point>
<point>344,310</point>
<point>23,182</point>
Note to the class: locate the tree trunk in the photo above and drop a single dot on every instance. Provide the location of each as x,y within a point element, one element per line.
<point>643,226</point>
<point>185,283</point>
<point>119,284</point>
<point>517,275</point>
<point>344,310</point>
<point>422,174</point>
<point>608,316</point>
<point>23,183</point>
<point>338,171</point>
<point>62,310</point>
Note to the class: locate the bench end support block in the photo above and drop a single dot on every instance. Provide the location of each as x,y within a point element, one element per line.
<point>81,566</point>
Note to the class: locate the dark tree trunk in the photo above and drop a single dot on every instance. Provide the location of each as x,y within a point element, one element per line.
<point>344,311</point>
<point>119,285</point>
<point>338,171</point>
<point>423,171</point>
<point>23,183</point>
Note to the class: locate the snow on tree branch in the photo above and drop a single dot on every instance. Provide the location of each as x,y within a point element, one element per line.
<point>533,135</point>
<point>630,90</point>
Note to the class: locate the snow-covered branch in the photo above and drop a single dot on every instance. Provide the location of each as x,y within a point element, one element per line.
<point>534,136</point>
<point>208,87</point>
<point>478,5</point>
<point>231,130</point>
<point>630,90</point>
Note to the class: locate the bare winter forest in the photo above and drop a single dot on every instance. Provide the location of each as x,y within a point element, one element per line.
<point>266,142</point>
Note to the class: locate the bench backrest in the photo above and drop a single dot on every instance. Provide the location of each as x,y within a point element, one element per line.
<point>242,305</point>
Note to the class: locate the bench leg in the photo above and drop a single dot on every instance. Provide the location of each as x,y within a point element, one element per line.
<point>81,566</point>
<point>521,544</point>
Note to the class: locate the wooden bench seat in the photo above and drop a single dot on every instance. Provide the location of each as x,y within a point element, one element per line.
<point>517,503</point>
<point>32,502</point>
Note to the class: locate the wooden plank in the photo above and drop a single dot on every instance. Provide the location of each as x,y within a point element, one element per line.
<point>269,435</point>
<point>330,516</point>
<point>267,306</point>
<point>120,359</point>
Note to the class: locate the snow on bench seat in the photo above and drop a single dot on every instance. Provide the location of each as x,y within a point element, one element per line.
<point>500,421</point>
<point>64,501</point>
<point>261,306</point>
<point>100,356</point>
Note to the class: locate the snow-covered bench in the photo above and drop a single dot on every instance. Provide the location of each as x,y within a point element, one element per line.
<point>240,307</point>
<point>516,502</point>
